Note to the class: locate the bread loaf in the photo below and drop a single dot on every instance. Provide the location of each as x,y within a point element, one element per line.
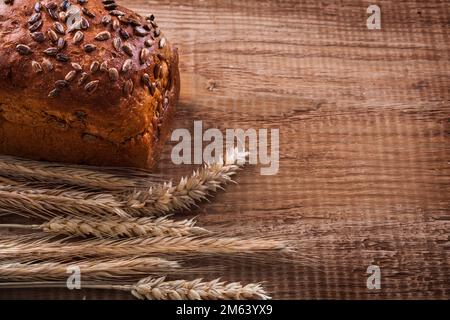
<point>84,81</point>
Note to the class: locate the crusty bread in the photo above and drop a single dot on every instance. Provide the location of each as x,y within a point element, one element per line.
<point>85,82</point>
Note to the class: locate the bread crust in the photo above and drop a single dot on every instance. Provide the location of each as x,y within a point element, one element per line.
<point>110,118</point>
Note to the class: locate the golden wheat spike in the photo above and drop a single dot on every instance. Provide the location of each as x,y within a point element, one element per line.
<point>167,198</point>
<point>12,247</point>
<point>90,177</point>
<point>49,203</point>
<point>89,270</point>
<point>160,289</point>
<point>116,227</point>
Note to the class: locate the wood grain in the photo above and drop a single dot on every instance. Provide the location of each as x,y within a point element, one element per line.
<point>364,137</point>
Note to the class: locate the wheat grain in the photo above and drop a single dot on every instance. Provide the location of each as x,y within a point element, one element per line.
<point>109,179</point>
<point>89,270</point>
<point>46,203</point>
<point>13,247</point>
<point>199,186</point>
<point>159,289</point>
<point>116,227</point>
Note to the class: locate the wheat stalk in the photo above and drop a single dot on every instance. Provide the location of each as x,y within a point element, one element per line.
<point>13,247</point>
<point>47,203</point>
<point>89,270</point>
<point>92,177</point>
<point>159,289</point>
<point>163,199</point>
<point>116,227</point>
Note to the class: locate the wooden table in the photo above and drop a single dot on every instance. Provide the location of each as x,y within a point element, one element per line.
<point>364,119</point>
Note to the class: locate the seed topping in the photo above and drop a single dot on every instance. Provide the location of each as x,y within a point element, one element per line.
<point>144,55</point>
<point>128,87</point>
<point>78,37</point>
<point>127,65</point>
<point>89,47</point>
<point>102,36</point>
<point>91,86</point>
<point>52,35</point>
<point>113,74</point>
<point>47,64</point>
<point>23,49</point>
<point>70,76</point>
<point>87,13</point>
<point>140,31</point>
<point>127,49</point>
<point>116,13</point>
<point>52,51</point>
<point>35,26</point>
<point>37,68</point>
<point>94,66</point>
<point>77,67</point>
<point>38,37</point>
<point>62,57</point>
<point>59,28</point>
<point>34,17</point>
<point>117,43</point>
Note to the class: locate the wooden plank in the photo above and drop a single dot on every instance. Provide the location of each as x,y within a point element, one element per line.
<point>364,137</point>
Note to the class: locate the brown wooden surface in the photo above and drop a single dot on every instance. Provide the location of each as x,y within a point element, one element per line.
<point>365,137</point>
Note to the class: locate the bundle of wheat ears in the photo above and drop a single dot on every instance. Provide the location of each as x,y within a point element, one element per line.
<point>112,224</point>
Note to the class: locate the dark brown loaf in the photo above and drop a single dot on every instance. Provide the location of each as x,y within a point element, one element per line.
<point>101,94</point>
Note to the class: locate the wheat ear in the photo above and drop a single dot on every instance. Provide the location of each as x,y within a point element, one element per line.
<point>160,289</point>
<point>47,203</point>
<point>92,177</point>
<point>89,270</point>
<point>116,227</point>
<point>13,247</point>
<point>167,198</point>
